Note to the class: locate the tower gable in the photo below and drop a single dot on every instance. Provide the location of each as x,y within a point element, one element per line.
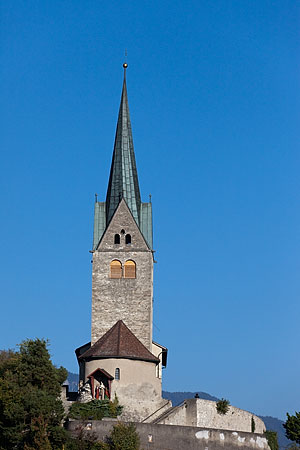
<point>123,229</point>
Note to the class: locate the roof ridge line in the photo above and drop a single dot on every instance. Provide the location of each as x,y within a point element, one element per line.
<point>119,337</point>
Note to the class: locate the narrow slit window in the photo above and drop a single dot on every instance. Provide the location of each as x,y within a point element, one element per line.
<point>117,239</point>
<point>129,269</point>
<point>115,269</point>
<point>128,239</point>
<point>117,374</point>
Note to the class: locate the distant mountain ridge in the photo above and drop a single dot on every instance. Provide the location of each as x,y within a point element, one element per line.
<point>272,423</point>
<point>178,397</point>
<point>73,380</point>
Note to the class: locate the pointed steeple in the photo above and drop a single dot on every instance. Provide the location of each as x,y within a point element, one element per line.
<point>123,180</point>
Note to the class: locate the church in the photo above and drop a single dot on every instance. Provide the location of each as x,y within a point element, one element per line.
<point>122,359</point>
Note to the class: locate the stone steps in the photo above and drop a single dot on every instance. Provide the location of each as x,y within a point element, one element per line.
<point>165,414</point>
<point>159,412</point>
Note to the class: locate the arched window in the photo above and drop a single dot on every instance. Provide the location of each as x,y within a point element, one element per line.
<point>117,374</point>
<point>117,239</point>
<point>115,269</point>
<point>129,269</point>
<point>127,239</point>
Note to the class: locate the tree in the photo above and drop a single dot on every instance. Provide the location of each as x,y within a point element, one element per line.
<point>272,439</point>
<point>292,427</point>
<point>252,425</point>
<point>124,437</point>
<point>31,411</point>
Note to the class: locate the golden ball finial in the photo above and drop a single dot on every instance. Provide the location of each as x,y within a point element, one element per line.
<point>125,65</point>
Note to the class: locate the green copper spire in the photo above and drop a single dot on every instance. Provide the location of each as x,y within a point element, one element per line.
<point>123,180</point>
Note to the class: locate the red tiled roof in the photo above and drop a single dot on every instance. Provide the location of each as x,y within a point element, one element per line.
<point>119,342</point>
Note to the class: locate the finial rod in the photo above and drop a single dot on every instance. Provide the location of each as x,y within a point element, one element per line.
<point>125,65</point>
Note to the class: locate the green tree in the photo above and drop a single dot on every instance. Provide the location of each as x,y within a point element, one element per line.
<point>272,439</point>
<point>252,425</point>
<point>124,437</point>
<point>292,427</point>
<point>31,411</point>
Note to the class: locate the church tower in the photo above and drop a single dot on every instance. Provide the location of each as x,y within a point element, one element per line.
<point>122,357</point>
<point>122,283</point>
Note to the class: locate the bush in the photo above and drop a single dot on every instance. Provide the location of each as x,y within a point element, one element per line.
<point>222,406</point>
<point>95,409</point>
<point>85,444</point>
<point>85,441</point>
<point>124,437</point>
<point>272,439</point>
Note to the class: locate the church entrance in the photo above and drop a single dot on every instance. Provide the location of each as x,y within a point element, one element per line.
<point>100,384</point>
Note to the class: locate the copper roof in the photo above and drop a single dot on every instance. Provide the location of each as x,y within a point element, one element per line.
<point>119,342</point>
<point>123,179</point>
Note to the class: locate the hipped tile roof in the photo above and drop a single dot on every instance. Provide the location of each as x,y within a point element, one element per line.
<point>119,342</point>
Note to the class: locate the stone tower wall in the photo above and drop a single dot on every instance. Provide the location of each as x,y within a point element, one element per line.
<point>124,299</point>
<point>138,389</point>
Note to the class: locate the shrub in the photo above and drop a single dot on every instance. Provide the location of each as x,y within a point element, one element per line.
<point>95,409</point>
<point>85,441</point>
<point>124,437</point>
<point>222,406</point>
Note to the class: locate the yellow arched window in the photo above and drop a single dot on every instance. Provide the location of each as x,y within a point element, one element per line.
<point>129,269</point>
<point>115,269</point>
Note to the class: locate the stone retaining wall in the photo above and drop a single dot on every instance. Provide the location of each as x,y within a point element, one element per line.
<point>203,413</point>
<point>173,437</point>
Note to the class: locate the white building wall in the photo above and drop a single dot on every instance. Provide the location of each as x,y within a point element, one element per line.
<point>139,388</point>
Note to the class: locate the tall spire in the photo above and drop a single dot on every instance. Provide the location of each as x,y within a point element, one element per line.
<point>123,179</point>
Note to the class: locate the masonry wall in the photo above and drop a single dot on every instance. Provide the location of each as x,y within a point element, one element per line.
<point>129,300</point>
<point>166,437</point>
<point>203,413</point>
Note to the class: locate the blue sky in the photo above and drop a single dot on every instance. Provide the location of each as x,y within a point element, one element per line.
<point>214,99</point>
